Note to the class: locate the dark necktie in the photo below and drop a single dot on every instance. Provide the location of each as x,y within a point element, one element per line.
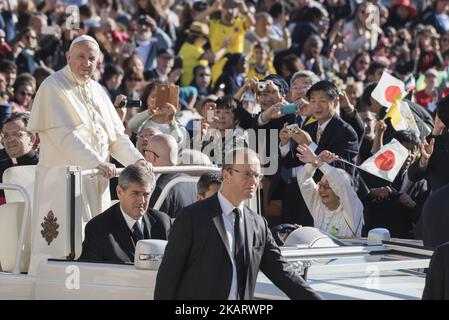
<point>239,256</point>
<point>137,234</point>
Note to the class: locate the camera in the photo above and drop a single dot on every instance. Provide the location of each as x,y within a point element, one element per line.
<point>293,127</point>
<point>130,104</point>
<point>261,85</point>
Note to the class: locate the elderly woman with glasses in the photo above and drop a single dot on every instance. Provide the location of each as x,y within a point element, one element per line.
<point>333,203</point>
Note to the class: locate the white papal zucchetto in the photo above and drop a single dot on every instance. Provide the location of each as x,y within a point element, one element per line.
<point>81,39</point>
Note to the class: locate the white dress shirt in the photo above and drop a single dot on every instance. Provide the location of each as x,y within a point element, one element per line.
<point>228,218</point>
<point>131,221</point>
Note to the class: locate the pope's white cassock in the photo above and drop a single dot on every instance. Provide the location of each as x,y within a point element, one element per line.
<point>77,125</point>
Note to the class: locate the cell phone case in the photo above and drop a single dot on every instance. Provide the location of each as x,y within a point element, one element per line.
<point>167,93</point>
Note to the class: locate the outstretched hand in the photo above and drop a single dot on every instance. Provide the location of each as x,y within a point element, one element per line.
<point>306,154</point>
<point>328,156</point>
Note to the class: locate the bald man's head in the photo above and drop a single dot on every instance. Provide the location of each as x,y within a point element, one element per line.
<point>162,150</point>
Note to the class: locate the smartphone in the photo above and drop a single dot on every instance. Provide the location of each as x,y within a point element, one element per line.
<point>210,113</point>
<point>167,93</point>
<point>289,108</point>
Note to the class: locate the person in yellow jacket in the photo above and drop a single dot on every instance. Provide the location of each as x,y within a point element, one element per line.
<point>260,63</point>
<point>235,20</point>
<point>193,53</point>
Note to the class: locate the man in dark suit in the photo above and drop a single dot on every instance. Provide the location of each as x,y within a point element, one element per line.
<point>112,235</point>
<point>217,246</point>
<point>162,150</point>
<point>329,132</point>
<point>284,184</point>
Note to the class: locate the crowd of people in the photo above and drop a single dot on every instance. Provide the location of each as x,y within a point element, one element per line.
<point>292,80</point>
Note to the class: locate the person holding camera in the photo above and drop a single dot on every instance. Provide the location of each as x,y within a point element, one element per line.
<point>162,117</point>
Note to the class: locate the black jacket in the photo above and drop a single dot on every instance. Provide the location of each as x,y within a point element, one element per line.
<point>181,195</point>
<point>423,119</point>
<point>437,171</point>
<point>108,237</point>
<point>197,263</point>
<point>435,218</point>
<point>338,137</point>
<point>437,280</point>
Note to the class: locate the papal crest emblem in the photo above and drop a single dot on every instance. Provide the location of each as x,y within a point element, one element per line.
<point>50,227</point>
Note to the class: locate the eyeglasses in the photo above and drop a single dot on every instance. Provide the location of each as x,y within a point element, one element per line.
<point>14,135</point>
<point>324,185</point>
<point>24,93</point>
<point>148,151</point>
<point>144,136</point>
<point>298,88</point>
<point>248,174</point>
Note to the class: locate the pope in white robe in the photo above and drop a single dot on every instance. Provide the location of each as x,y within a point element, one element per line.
<point>78,125</point>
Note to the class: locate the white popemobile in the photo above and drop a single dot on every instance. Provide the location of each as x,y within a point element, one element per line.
<point>38,257</point>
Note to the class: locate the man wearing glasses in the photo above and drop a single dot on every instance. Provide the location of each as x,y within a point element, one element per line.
<point>162,151</point>
<point>18,145</point>
<point>217,246</point>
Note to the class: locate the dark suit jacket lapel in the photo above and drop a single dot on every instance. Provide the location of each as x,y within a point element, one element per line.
<point>312,130</point>
<point>149,222</point>
<point>217,217</point>
<point>123,232</point>
<point>249,233</point>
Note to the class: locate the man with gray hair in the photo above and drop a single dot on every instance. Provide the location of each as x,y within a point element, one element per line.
<point>112,235</point>
<point>162,151</point>
<point>78,125</point>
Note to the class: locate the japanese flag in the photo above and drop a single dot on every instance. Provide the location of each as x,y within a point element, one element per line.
<point>388,90</point>
<point>387,162</point>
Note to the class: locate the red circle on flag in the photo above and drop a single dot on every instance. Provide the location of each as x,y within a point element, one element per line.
<point>385,161</point>
<point>392,93</point>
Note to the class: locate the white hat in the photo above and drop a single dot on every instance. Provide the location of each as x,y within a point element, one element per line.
<point>81,39</point>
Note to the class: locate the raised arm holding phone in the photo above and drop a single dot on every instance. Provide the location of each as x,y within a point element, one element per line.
<point>161,101</point>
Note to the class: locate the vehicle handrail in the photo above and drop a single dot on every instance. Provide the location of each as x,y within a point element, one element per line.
<point>164,169</point>
<point>170,185</point>
<point>26,215</point>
